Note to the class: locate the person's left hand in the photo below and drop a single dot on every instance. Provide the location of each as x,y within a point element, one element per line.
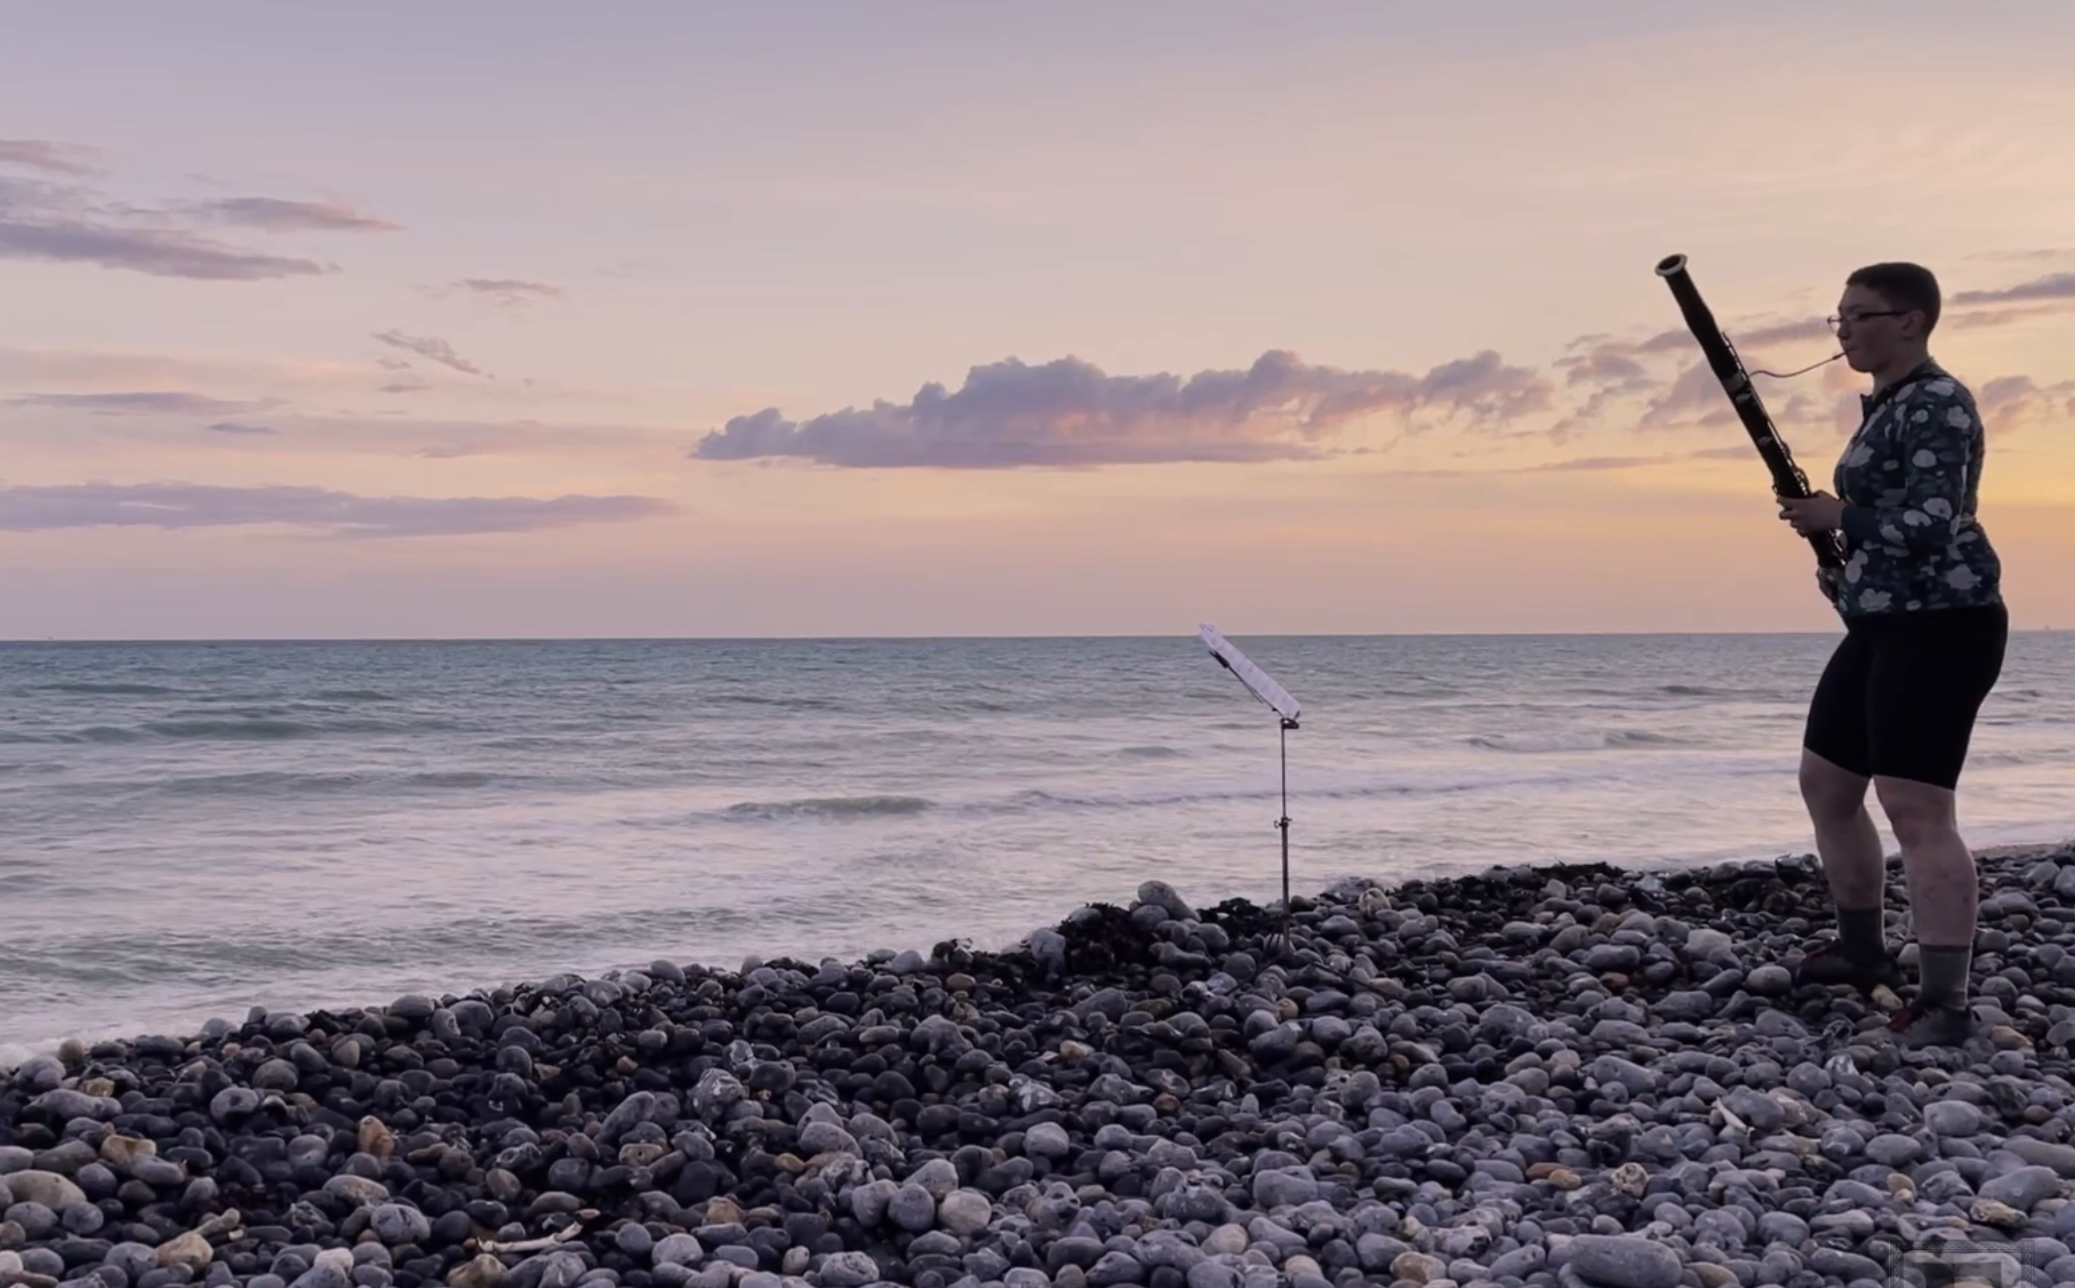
<point>1810,515</point>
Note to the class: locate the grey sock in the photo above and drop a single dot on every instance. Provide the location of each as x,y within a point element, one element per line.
<point>1859,933</point>
<point>1942,973</point>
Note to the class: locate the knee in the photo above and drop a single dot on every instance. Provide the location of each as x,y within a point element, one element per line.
<point>1829,791</point>
<point>1919,813</point>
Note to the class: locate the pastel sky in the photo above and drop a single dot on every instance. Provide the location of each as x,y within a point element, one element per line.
<point>530,319</point>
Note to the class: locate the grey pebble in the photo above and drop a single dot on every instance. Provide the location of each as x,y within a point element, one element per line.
<point>1523,1080</point>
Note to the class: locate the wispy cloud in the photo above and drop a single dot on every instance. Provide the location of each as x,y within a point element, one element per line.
<point>67,221</point>
<point>505,292</point>
<point>1660,383</point>
<point>2027,255</point>
<point>2008,402</point>
<point>115,370</point>
<point>2053,286</point>
<point>159,252</point>
<point>95,424</point>
<point>1069,413</point>
<point>430,347</point>
<point>1596,464</point>
<point>1589,464</point>
<point>275,214</point>
<point>330,513</point>
<point>145,402</point>
<point>50,157</point>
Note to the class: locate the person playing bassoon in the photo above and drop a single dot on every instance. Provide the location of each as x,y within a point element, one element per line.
<point>1920,595</point>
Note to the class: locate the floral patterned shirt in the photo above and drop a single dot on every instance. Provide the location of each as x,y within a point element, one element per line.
<point>1909,478</point>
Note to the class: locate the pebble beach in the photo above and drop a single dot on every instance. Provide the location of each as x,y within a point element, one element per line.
<point>1564,1075</point>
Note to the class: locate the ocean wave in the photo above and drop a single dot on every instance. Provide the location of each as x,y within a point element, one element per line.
<point>256,727</point>
<point>90,734</point>
<point>451,779</point>
<point>274,782</point>
<point>1154,752</point>
<point>1392,785</point>
<point>291,782</point>
<point>1038,797</point>
<point>793,703</point>
<point>260,783</point>
<point>830,807</point>
<point>172,981</point>
<point>259,725</point>
<point>1578,740</point>
<point>2015,759</point>
<point>103,688</point>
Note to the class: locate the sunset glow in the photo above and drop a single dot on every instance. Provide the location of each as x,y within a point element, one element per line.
<point>525,320</point>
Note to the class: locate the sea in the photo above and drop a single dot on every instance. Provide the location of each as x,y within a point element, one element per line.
<point>189,830</point>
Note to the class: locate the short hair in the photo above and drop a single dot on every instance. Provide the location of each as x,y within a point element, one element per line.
<point>1910,287</point>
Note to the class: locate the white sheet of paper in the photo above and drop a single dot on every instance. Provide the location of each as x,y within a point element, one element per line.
<point>1253,677</point>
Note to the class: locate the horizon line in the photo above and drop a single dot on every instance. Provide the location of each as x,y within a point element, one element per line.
<point>8,641</point>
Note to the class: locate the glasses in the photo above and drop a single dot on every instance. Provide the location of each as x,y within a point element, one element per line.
<point>1835,322</point>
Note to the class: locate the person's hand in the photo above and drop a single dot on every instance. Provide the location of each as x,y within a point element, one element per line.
<point>1813,514</point>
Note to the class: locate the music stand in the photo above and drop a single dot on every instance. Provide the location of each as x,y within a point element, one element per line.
<point>1287,710</point>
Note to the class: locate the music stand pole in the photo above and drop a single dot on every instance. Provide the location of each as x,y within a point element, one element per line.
<point>1283,726</point>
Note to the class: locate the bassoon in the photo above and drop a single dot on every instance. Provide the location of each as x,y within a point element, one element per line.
<point>1788,480</point>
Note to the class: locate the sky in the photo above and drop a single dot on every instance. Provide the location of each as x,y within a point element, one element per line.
<point>525,320</point>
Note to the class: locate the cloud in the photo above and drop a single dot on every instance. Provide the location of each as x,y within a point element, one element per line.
<point>2023,255</point>
<point>159,252</point>
<point>1984,319</point>
<point>2053,286</point>
<point>431,347</point>
<point>336,514</point>
<point>159,402</point>
<point>1659,382</point>
<point>275,214</point>
<point>1068,413</point>
<point>71,223</point>
<point>97,370</point>
<point>2008,402</point>
<point>506,292</point>
<point>49,157</point>
<point>72,426</point>
<point>1606,362</point>
<point>1596,464</point>
<point>1592,464</point>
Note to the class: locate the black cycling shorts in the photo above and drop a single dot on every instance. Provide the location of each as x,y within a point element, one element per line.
<point>1899,696</point>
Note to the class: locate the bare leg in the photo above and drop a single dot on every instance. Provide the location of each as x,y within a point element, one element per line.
<point>1846,840</point>
<point>1944,892</point>
<point>1856,871</point>
<point>1944,888</point>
